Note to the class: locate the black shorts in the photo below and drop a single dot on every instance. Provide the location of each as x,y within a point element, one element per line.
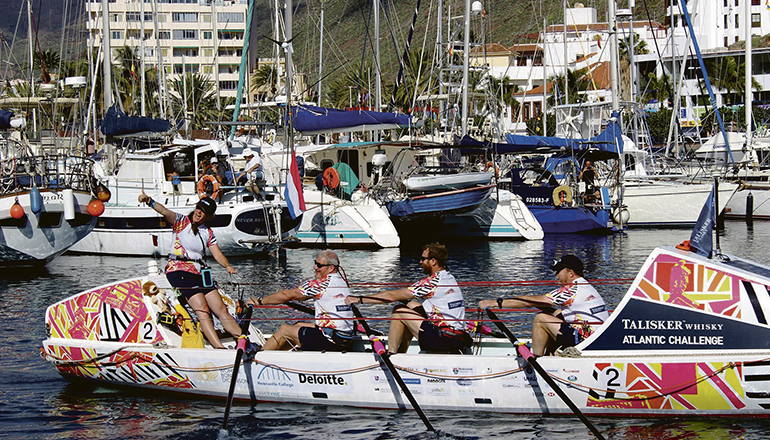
<point>568,336</point>
<point>313,339</point>
<point>188,283</point>
<point>434,340</point>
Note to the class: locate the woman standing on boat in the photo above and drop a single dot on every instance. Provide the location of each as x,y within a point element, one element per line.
<point>187,255</point>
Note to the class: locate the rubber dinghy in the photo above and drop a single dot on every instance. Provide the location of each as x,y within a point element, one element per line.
<point>690,337</point>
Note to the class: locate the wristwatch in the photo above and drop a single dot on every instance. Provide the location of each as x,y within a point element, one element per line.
<point>499,303</point>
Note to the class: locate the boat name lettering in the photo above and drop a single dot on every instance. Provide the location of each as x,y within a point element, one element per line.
<point>321,379</point>
<point>652,324</point>
<point>51,197</point>
<point>649,324</point>
<point>537,200</point>
<point>673,340</point>
<point>332,220</point>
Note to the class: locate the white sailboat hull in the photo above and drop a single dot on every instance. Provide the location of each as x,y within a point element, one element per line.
<point>669,204</point>
<point>330,221</point>
<point>39,238</point>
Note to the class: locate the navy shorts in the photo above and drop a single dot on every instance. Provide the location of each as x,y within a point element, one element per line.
<point>313,339</point>
<point>434,340</point>
<point>568,336</point>
<point>188,283</point>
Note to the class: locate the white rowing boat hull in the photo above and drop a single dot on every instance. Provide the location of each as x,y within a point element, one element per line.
<point>689,338</point>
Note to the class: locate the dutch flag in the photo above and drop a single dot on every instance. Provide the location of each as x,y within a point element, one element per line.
<point>293,192</point>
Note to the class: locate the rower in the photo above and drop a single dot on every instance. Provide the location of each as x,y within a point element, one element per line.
<point>568,314</point>
<point>438,322</point>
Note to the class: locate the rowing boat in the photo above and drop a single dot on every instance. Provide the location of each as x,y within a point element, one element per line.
<point>690,336</point>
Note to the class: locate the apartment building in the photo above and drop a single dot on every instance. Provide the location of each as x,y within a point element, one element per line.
<point>198,36</point>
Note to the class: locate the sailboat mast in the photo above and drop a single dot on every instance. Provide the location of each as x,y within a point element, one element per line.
<point>466,60</point>
<point>321,54</point>
<point>107,83</point>
<point>748,70</point>
<point>143,107</point>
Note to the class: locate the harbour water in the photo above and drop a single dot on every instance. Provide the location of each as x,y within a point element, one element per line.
<point>37,403</point>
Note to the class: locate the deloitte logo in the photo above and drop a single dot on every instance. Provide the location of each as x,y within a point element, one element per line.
<point>321,379</point>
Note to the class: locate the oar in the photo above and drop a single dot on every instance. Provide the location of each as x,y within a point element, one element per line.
<point>379,348</point>
<point>530,358</point>
<point>242,340</point>
<point>305,309</point>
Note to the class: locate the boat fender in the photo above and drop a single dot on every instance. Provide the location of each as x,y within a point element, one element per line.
<point>103,193</point>
<point>68,197</point>
<point>562,196</point>
<point>96,207</point>
<point>331,178</point>
<point>621,216</point>
<point>35,200</point>
<point>17,211</point>
<point>214,185</point>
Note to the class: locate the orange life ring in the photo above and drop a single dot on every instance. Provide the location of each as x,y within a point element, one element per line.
<point>331,178</point>
<point>202,186</point>
<point>489,167</point>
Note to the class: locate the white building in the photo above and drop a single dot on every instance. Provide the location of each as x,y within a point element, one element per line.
<point>202,36</point>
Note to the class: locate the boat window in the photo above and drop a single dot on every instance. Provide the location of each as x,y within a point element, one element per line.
<point>80,219</point>
<point>326,163</point>
<point>349,157</point>
<point>134,170</point>
<point>49,219</point>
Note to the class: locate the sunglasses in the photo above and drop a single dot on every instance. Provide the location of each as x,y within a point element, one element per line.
<point>424,258</point>
<point>321,265</point>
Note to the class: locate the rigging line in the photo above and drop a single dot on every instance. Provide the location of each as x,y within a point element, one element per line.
<point>363,54</point>
<point>400,78</point>
<point>422,60</point>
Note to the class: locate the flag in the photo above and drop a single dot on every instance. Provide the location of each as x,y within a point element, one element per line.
<point>701,239</point>
<point>293,192</point>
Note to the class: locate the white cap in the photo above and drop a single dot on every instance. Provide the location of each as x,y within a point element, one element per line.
<point>213,160</point>
<point>248,152</point>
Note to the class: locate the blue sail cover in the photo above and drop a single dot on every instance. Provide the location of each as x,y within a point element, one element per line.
<point>5,119</point>
<point>116,122</point>
<point>608,143</point>
<point>311,120</point>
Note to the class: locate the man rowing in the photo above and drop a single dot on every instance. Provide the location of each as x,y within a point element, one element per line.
<point>438,322</point>
<point>333,327</point>
<point>568,313</point>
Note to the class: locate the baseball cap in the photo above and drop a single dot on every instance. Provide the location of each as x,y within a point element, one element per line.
<point>207,205</point>
<point>570,262</point>
<point>213,160</point>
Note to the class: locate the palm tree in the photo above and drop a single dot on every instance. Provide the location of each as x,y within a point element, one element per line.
<point>127,79</point>
<point>200,98</point>
<point>47,62</point>
<point>265,79</point>
<point>727,75</point>
<point>577,81</point>
<point>640,48</point>
<point>656,88</point>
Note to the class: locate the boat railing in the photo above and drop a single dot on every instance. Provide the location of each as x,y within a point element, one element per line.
<point>55,172</point>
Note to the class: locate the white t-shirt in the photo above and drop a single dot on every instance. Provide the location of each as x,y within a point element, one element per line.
<point>329,293</point>
<point>256,160</point>
<point>188,245</point>
<point>443,299</point>
<point>580,304</point>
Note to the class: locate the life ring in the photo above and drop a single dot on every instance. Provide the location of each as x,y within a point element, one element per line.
<point>214,185</point>
<point>557,199</point>
<point>331,178</point>
<point>489,166</point>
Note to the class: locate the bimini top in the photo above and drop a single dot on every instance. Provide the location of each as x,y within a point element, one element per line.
<point>606,145</point>
<point>683,302</point>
